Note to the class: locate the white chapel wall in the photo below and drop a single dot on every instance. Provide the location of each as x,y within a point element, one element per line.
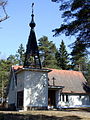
<point>35,89</point>
<point>75,100</point>
<point>79,100</point>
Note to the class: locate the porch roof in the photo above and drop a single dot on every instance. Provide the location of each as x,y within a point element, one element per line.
<point>55,87</point>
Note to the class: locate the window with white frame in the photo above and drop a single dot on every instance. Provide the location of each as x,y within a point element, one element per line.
<point>64,98</point>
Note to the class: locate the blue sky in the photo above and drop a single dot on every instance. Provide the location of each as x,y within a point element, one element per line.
<point>15,30</point>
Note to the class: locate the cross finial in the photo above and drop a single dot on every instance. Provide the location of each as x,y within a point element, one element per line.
<point>32,7</point>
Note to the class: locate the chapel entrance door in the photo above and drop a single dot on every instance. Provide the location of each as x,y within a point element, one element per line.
<point>51,98</point>
<point>20,99</point>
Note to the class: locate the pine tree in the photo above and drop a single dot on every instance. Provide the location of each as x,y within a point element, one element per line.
<point>4,76</point>
<point>47,52</point>
<point>20,54</point>
<point>13,59</point>
<point>5,65</point>
<point>62,57</point>
<point>78,54</point>
<point>76,14</point>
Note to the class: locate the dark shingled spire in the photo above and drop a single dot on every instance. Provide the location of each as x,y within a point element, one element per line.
<point>32,59</point>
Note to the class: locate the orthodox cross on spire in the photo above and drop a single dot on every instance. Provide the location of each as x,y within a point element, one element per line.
<point>32,24</point>
<point>32,7</point>
<point>32,59</point>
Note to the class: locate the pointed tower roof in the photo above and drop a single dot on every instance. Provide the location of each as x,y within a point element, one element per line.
<point>32,58</point>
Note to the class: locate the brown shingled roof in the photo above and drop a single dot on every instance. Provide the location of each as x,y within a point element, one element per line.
<point>71,80</point>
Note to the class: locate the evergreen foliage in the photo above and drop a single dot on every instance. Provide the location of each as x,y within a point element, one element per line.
<point>13,59</point>
<point>79,52</point>
<point>5,66</point>
<point>76,14</point>
<point>20,55</point>
<point>4,76</point>
<point>62,57</point>
<point>47,52</point>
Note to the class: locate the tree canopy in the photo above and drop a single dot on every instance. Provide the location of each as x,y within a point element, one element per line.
<point>62,57</point>
<point>47,52</point>
<point>76,15</point>
<point>20,55</point>
<point>5,65</point>
<point>78,54</point>
<point>4,75</point>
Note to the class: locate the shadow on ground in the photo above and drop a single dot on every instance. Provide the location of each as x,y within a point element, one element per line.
<point>10,116</point>
<point>77,109</point>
